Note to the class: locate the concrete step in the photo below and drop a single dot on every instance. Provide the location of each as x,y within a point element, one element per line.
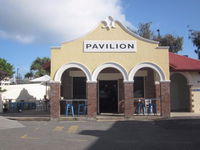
<point>110,118</point>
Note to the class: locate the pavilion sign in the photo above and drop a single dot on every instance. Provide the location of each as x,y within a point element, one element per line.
<point>109,46</point>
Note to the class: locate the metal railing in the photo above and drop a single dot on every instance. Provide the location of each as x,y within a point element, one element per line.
<point>141,106</point>
<point>19,106</point>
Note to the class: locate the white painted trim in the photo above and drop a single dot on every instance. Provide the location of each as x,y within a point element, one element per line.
<point>134,34</point>
<point>114,22</point>
<point>91,81</point>
<point>52,81</point>
<point>109,65</point>
<point>165,81</point>
<point>62,69</point>
<point>157,83</point>
<point>129,81</point>
<point>147,65</point>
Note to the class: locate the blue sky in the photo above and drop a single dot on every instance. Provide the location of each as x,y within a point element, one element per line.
<point>29,28</point>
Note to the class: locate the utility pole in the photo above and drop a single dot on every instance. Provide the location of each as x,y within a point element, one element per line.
<point>17,76</point>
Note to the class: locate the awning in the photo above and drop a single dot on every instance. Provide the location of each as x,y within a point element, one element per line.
<point>44,78</point>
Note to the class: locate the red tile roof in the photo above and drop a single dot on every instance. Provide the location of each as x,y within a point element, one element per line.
<point>183,63</point>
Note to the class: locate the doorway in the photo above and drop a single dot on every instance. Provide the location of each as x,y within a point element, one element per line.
<point>179,93</point>
<point>108,96</point>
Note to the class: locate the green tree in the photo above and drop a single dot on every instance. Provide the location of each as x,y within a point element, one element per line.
<point>6,69</point>
<point>194,35</point>
<point>144,30</point>
<point>37,66</point>
<point>29,74</point>
<point>174,43</point>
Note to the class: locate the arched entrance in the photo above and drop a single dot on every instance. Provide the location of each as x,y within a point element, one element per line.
<point>146,92</point>
<point>179,93</point>
<point>150,88</point>
<point>145,80</point>
<point>110,78</point>
<point>73,84</point>
<point>73,89</point>
<point>110,83</point>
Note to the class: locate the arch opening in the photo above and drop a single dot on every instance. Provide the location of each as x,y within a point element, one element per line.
<point>146,91</point>
<point>147,65</point>
<point>179,93</point>
<point>63,68</point>
<point>110,90</point>
<point>109,65</point>
<point>73,89</point>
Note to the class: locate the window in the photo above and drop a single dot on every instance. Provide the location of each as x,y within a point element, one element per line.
<point>139,87</point>
<point>79,87</point>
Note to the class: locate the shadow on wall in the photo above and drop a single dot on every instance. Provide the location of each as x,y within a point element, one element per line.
<point>151,135</point>
<point>25,96</point>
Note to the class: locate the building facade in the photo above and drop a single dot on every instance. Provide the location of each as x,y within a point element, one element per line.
<point>113,70</point>
<point>185,84</point>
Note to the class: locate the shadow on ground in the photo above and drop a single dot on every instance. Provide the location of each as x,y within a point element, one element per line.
<point>145,135</point>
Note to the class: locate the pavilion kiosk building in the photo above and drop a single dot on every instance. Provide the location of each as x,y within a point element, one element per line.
<point>112,71</point>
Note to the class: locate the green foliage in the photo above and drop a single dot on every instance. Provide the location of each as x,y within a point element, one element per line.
<point>29,74</point>
<point>174,43</point>
<point>195,37</point>
<point>38,66</point>
<point>144,30</point>
<point>6,69</point>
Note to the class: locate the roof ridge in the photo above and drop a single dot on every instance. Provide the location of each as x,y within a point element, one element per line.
<point>185,56</point>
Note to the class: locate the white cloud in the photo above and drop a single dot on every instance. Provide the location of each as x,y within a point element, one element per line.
<point>17,37</point>
<point>54,20</point>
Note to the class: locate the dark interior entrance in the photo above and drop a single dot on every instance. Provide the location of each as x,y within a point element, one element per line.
<point>108,96</point>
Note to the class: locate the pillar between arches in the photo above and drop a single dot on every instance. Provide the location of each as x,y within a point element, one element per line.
<point>128,99</point>
<point>55,100</point>
<point>92,99</point>
<point>165,99</point>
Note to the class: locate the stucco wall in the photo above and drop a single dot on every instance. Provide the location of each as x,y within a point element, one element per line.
<point>179,94</point>
<point>193,80</point>
<point>73,52</point>
<point>195,91</point>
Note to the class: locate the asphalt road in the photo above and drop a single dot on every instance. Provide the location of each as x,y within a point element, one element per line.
<point>98,135</point>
